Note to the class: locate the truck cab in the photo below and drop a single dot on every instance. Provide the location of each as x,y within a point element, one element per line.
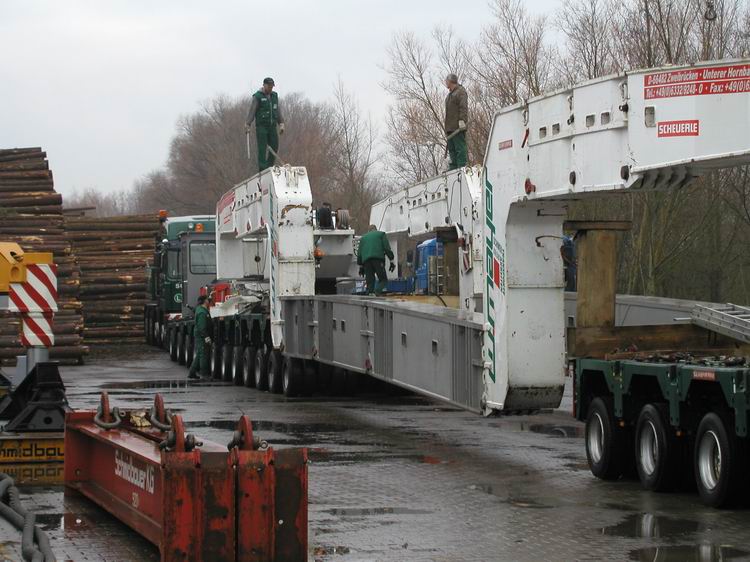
<point>169,273</point>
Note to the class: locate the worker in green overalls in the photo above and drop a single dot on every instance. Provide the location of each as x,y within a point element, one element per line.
<point>269,123</point>
<point>373,249</point>
<point>201,340</point>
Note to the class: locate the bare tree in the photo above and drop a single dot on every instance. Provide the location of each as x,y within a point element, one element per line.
<point>354,185</point>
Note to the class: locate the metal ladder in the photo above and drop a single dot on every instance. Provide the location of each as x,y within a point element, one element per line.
<point>727,319</point>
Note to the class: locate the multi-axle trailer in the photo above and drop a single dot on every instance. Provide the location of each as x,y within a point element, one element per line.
<point>501,346</point>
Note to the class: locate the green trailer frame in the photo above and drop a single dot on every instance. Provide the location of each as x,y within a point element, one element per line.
<point>689,390</point>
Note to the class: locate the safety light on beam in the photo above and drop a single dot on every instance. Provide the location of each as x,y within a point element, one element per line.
<point>199,227</point>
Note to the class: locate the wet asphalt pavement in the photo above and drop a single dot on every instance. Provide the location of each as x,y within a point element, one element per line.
<point>396,477</point>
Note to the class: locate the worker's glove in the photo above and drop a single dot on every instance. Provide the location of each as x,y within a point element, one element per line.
<point>207,340</point>
<point>361,271</point>
<point>392,267</point>
<point>281,128</point>
<point>462,124</point>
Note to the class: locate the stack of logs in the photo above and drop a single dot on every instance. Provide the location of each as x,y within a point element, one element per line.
<point>112,253</point>
<point>31,215</point>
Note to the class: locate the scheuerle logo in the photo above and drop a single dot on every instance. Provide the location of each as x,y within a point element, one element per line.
<point>687,128</point>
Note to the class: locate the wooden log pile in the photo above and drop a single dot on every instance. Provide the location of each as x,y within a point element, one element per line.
<point>112,253</point>
<point>31,215</point>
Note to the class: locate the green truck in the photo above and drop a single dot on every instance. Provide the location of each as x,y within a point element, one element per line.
<point>184,261</point>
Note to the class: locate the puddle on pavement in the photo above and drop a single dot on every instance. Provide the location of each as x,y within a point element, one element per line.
<point>510,500</point>
<point>164,383</point>
<point>688,553</point>
<point>362,511</point>
<point>554,430</point>
<point>650,526</point>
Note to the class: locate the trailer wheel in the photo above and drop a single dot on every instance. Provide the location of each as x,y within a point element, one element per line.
<point>310,378</point>
<point>147,329</point>
<point>180,347</point>
<point>338,381</point>
<point>605,442</point>
<point>657,450</point>
<point>227,351</point>
<point>215,360</point>
<point>261,369</point>
<point>248,366</point>
<point>292,377</point>
<point>189,353</point>
<point>718,461</point>
<point>237,371</point>
<point>172,336</point>
<point>275,367</point>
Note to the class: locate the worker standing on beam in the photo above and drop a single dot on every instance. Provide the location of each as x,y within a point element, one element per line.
<point>456,118</point>
<point>199,367</point>
<point>269,123</point>
<point>373,249</point>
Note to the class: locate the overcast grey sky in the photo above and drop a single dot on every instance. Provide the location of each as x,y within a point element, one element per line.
<point>100,85</point>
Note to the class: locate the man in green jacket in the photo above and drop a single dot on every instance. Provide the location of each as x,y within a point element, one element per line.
<point>266,112</point>
<point>201,339</point>
<point>373,249</point>
<point>456,118</point>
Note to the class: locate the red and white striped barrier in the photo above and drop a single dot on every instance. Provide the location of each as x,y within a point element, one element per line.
<point>36,301</point>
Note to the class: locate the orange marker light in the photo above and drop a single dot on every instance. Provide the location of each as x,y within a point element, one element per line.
<point>199,227</point>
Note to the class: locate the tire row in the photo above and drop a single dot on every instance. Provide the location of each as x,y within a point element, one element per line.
<point>262,368</point>
<point>712,460</point>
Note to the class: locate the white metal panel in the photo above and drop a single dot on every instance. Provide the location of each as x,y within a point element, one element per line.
<point>647,129</point>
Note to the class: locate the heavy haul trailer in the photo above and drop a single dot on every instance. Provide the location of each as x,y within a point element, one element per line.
<point>165,274</point>
<point>269,245</point>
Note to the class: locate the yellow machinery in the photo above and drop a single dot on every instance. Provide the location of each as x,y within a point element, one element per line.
<point>32,400</point>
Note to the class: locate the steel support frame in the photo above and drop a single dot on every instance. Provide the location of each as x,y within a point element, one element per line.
<point>181,501</point>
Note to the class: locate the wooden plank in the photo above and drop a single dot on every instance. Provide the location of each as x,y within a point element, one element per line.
<point>596,251</point>
<point>603,341</point>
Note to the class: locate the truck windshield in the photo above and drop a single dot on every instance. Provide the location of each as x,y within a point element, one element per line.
<point>203,257</point>
<point>173,264</point>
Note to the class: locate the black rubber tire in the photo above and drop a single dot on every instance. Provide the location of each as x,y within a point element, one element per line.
<point>727,489</point>
<point>338,381</point>
<point>657,450</point>
<point>292,377</point>
<point>248,366</point>
<point>237,358</point>
<point>214,366</point>
<point>172,337</point>
<point>189,354</point>
<point>261,369</point>
<point>309,378</point>
<point>227,352</point>
<point>605,441</point>
<point>148,329</point>
<point>275,367</point>
<point>180,347</point>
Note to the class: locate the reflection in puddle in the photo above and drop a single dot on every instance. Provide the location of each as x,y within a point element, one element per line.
<point>688,553</point>
<point>650,526</point>
<point>554,430</point>
<point>355,511</point>
<point>163,383</point>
